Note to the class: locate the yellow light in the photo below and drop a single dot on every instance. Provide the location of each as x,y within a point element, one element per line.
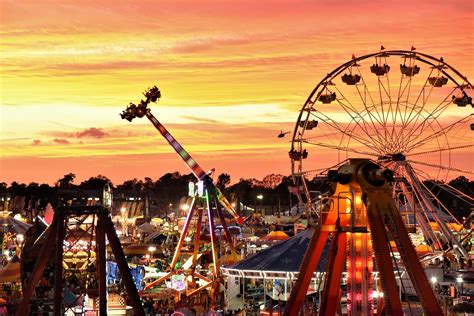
<point>358,201</point>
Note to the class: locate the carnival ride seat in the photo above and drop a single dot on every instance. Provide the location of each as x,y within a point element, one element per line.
<point>297,155</point>
<point>350,79</point>
<point>327,98</point>
<point>310,125</point>
<point>380,70</point>
<point>409,70</point>
<point>438,81</point>
<point>463,100</point>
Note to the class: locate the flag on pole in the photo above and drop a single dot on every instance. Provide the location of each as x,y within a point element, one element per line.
<point>413,48</point>
<point>381,47</point>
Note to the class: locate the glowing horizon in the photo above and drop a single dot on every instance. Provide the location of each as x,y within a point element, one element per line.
<point>232,74</point>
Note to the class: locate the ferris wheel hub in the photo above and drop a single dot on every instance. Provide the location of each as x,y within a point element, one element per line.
<point>393,157</point>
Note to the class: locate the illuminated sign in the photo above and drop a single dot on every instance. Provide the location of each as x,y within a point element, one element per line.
<point>178,282</point>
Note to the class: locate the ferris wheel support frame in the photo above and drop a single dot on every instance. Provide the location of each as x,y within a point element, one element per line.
<point>435,213</point>
<point>405,141</point>
<point>361,180</point>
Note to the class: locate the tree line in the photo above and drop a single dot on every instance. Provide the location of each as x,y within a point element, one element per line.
<point>269,192</point>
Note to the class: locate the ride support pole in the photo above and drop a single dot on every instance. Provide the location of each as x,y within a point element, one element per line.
<point>58,278</point>
<point>308,266</point>
<point>183,235</point>
<point>224,225</point>
<point>331,297</point>
<point>101,265</point>
<point>117,250</point>
<point>39,268</point>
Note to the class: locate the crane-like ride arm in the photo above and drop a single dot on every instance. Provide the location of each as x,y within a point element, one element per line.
<point>153,95</point>
<point>215,201</point>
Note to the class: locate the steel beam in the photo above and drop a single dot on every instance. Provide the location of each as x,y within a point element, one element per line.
<point>335,263</point>
<point>45,255</point>
<point>307,269</point>
<point>58,278</point>
<point>117,250</point>
<point>101,266</point>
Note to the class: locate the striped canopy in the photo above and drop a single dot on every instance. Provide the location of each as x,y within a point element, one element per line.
<point>10,225</point>
<point>10,273</point>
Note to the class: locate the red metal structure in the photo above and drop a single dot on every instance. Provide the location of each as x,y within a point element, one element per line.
<point>53,247</point>
<point>361,219</point>
<point>214,202</point>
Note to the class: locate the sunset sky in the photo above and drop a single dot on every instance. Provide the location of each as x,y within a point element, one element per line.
<point>232,75</point>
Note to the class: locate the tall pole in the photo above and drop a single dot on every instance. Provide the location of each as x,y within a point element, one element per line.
<point>123,265</point>
<point>58,281</point>
<point>46,250</point>
<point>101,264</point>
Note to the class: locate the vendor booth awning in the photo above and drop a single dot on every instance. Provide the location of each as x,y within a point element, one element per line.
<point>10,273</point>
<point>10,225</point>
<point>275,236</point>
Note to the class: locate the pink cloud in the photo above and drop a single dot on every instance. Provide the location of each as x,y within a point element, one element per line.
<point>92,132</point>
<point>61,141</point>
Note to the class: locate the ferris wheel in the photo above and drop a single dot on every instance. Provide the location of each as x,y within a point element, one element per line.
<point>407,111</point>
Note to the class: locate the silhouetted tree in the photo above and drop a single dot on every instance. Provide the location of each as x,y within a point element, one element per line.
<point>95,183</point>
<point>66,181</point>
<point>223,181</point>
<point>272,180</point>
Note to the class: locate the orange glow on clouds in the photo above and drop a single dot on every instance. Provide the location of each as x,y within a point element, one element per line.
<point>232,73</point>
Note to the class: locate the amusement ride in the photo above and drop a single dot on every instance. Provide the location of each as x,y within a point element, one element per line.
<point>407,117</point>
<point>69,259</point>
<point>205,209</point>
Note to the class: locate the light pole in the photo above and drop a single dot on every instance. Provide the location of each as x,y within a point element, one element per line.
<point>151,249</point>
<point>260,197</point>
<point>434,280</point>
<point>460,280</point>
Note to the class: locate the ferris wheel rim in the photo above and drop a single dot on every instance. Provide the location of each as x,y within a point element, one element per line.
<point>309,110</point>
<point>347,64</point>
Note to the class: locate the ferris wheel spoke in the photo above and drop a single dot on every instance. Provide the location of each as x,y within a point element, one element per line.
<point>441,132</point>
<point>439,166</point>
<point>322,171</point>
<point>441,149</point>
<point>448,188</point>
<point>330,146</point>
<point>437,111</point>
<point>357,118</point>
<point>443,188</point>
<point>372,110</point>
<point>368,126</point>
<point>363,97</point>
<point>423,95</point>
<point>404,118</point>
<point>326,119</point>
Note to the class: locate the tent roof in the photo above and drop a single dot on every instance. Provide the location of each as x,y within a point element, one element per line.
<point>276,235</point>
<point>13,225</point>
<point>283,256</point>
<point>10,273</point>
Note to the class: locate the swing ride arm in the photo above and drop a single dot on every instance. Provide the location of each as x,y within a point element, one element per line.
<point>153,95</point>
